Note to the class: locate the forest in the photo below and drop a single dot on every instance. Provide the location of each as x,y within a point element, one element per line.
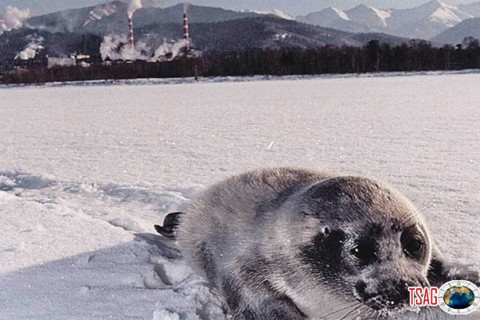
<point>416,55</point>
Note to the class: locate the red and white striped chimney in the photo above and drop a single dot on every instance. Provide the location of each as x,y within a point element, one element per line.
<point>130,32</point>
<point>186,34</point>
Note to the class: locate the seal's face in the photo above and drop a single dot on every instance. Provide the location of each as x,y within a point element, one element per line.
<point>370,242</point>
<point>383,262</point>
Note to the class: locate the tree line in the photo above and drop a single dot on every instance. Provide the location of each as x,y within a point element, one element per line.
<point>373,57</point>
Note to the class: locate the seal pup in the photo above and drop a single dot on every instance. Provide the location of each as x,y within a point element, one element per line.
<point>291,244</point>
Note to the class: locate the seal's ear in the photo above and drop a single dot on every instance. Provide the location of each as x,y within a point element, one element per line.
<point>440,271</point>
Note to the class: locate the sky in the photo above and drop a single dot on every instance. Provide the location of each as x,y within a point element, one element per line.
<point>294,7</point>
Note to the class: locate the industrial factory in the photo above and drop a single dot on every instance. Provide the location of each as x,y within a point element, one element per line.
<point>111,48</point>
<point>166,51</point>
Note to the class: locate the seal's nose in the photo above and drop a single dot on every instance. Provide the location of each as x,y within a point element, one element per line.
<point>389,295</point>
<point>361,288</point>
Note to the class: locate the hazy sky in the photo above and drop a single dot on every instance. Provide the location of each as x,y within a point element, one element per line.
<point>289,6</point>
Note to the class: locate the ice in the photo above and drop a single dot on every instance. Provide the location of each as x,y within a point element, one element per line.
<point>127,224</point>
<point>165,315</point>
<point>87,169</point>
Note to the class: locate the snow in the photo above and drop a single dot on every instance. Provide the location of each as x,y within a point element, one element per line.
<point>87,169</point>
<point>442,15</point>
<point>372,17</point>
<point>425,21</point>
<point>327,16</point>
<point>448,15</point>
<point>383,14</point>
<point>340,13</point>
<point>101,11</point>
<point>471,8</point>
<point>274,12</point>
<point>333,18</point>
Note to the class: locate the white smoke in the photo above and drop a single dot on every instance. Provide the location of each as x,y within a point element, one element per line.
<point>186,5</point>
<point>32,48</point>
<point>116,47</point>
<point>167,49</point>
<point>134,6</point>
<point>12,18</point>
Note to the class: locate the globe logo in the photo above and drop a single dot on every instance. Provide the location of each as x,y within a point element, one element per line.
<point>459,297</point>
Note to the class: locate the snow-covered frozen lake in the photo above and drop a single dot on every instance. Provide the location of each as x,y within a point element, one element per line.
<point>85,172</point>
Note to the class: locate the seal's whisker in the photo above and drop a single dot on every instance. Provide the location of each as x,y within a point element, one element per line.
<point>350,305</point>
<point>424,208</point>
<point>361,312</point>
<point>351,312</point>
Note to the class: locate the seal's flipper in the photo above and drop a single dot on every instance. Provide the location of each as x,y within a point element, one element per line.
<point>170,225</point>
<point>441,271</point>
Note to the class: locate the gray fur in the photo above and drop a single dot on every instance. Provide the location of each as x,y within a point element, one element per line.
<point>290,243</point>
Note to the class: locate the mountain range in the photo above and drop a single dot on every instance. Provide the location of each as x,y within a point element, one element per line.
<point>111,18</point>
<point>212,29</point>
<point>425,21</point>
<point>216,29</point>
<point>455,35</point>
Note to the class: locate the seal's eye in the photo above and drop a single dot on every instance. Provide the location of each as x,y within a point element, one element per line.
<point>412,243</point>
<point>365,250</point>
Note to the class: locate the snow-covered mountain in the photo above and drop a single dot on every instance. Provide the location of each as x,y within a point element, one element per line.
<point>455,35</point>
<point>325,17</point>
<point>83,20</point>
<point>471,8</point>
<point>425,21</point>
<point>218,29</point>
<point>111,18</point>
<point>274,12</point>
<point>372,17</point>
<point>334,18</point>
<point>212,29</point>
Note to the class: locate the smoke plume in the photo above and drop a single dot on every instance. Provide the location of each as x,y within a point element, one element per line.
<point>134,6</point>
<point>116,47</point>
<point>32,48</point>
<point>186,5</point>
<point>12,18</point>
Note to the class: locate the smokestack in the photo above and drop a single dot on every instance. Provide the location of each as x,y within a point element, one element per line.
<point>84,44</point>
<point>186,34</point>
<point>130,32</point>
